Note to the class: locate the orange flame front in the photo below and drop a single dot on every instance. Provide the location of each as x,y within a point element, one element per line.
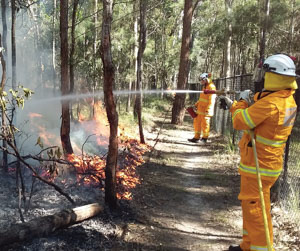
<point>90,169</point>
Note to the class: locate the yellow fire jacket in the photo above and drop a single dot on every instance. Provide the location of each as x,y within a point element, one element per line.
<point>206,102</point>
<point>272,117</point>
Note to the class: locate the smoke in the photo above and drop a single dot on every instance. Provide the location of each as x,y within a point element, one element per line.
<point>41,116</point>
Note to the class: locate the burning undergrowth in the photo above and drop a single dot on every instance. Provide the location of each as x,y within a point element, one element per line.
<point>90,169</point>
<point>90,143</point>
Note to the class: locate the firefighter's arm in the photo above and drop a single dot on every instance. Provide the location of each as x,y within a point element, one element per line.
<point>245,118</point>
<point>211,99</point>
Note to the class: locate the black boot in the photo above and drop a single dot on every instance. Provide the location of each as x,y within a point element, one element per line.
<point>203,141</point>
<point>193,140</point>
<point>235,248</point>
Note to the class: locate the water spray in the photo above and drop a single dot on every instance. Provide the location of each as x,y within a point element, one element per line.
<point>128,92</point>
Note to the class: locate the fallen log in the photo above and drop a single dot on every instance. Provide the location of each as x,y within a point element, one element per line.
<point>45,225</point>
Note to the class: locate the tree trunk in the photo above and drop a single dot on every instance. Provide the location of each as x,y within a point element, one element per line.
<point>48,224</point>
<point>112,115</point>
<point>227,49</point>
<point>13,45</point>
<point>129,96</point>
<point>72,52</point>
<point>142,46</point>
<point>262,44</point>
<point>3,121</point>
<point>65,117</point>
<point>95,53</point>
<point>54,47</point>
<point>136,38</point>
<point>292,27</point>
<point>178,105</point>
<point>3,54</point>
<point>264,28</point>
<point>4,26</point>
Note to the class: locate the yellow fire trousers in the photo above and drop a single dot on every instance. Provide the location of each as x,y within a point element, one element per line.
<point>254,237</point>
<point>201,125</point>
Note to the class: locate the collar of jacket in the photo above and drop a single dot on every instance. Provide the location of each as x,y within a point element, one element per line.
<point>282,93</point>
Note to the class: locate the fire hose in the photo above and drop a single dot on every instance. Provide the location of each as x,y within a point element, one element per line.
<point>261,195</point>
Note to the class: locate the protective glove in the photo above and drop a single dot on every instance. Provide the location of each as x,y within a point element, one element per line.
<point>224,102</point>
<point>247,95</point>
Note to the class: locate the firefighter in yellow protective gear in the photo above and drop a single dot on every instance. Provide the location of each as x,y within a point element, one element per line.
<point>271,117</point>
<point>205,110</point>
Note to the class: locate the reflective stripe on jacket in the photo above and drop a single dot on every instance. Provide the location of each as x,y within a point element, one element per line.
<point>272,118</point>
<point>206,102</point>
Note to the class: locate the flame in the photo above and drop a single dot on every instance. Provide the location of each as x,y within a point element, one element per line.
<point>90,169</point>
<point>98,124</point>
<point>34,115</point>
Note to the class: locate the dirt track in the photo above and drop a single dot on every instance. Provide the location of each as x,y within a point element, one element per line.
<point>188,196</point>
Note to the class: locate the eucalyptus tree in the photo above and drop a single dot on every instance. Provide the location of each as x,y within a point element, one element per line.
<point>112,115</point>
<point>3,52</point>
<point>13,44</point>
<point>65,84</point>
<point>228,38</point>
<point>4,26</point>
<point>53,38</point>
<point>4,159</point>
<point>178,104</point>
<point>142,46</point>
<point>73,43</point>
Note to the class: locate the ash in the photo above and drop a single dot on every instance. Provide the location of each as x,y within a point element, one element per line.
<point>98,233</point>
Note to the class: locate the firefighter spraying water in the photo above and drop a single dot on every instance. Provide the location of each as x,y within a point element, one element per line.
<point>267,123</point>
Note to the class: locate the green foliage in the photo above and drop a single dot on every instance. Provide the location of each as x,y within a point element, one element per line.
<point>17,96</point>
<point>164,30</point>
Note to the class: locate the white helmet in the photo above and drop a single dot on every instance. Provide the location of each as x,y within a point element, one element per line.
<point>205,76</point>
<point>280,64</point>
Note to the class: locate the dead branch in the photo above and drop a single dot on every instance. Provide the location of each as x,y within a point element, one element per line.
<point>57,188</point>
<point>45,225</point>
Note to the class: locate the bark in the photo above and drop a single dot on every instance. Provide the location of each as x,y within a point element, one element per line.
<point>292,27</point>
<point>136,38</point>
<point>72,51</point>
<point>129,96</point>
<point>4,26</point>
<point>178,105</point>
<point>4,160</point>
<point>45,225</point>
<point>13,44</point>
<point>227,54</point>
<point>3,42</point>
<point>54,46</point>
<point>95,53</point>
<point>142,46</point>
<point>65,117</point>
<point>264,28</point>
<point>112,115</point>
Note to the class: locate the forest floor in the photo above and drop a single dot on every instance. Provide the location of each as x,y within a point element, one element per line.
<point>187,200</point>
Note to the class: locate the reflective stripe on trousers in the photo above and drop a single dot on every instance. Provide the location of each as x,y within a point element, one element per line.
<point>201,125</point>
<point>254,237</point>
